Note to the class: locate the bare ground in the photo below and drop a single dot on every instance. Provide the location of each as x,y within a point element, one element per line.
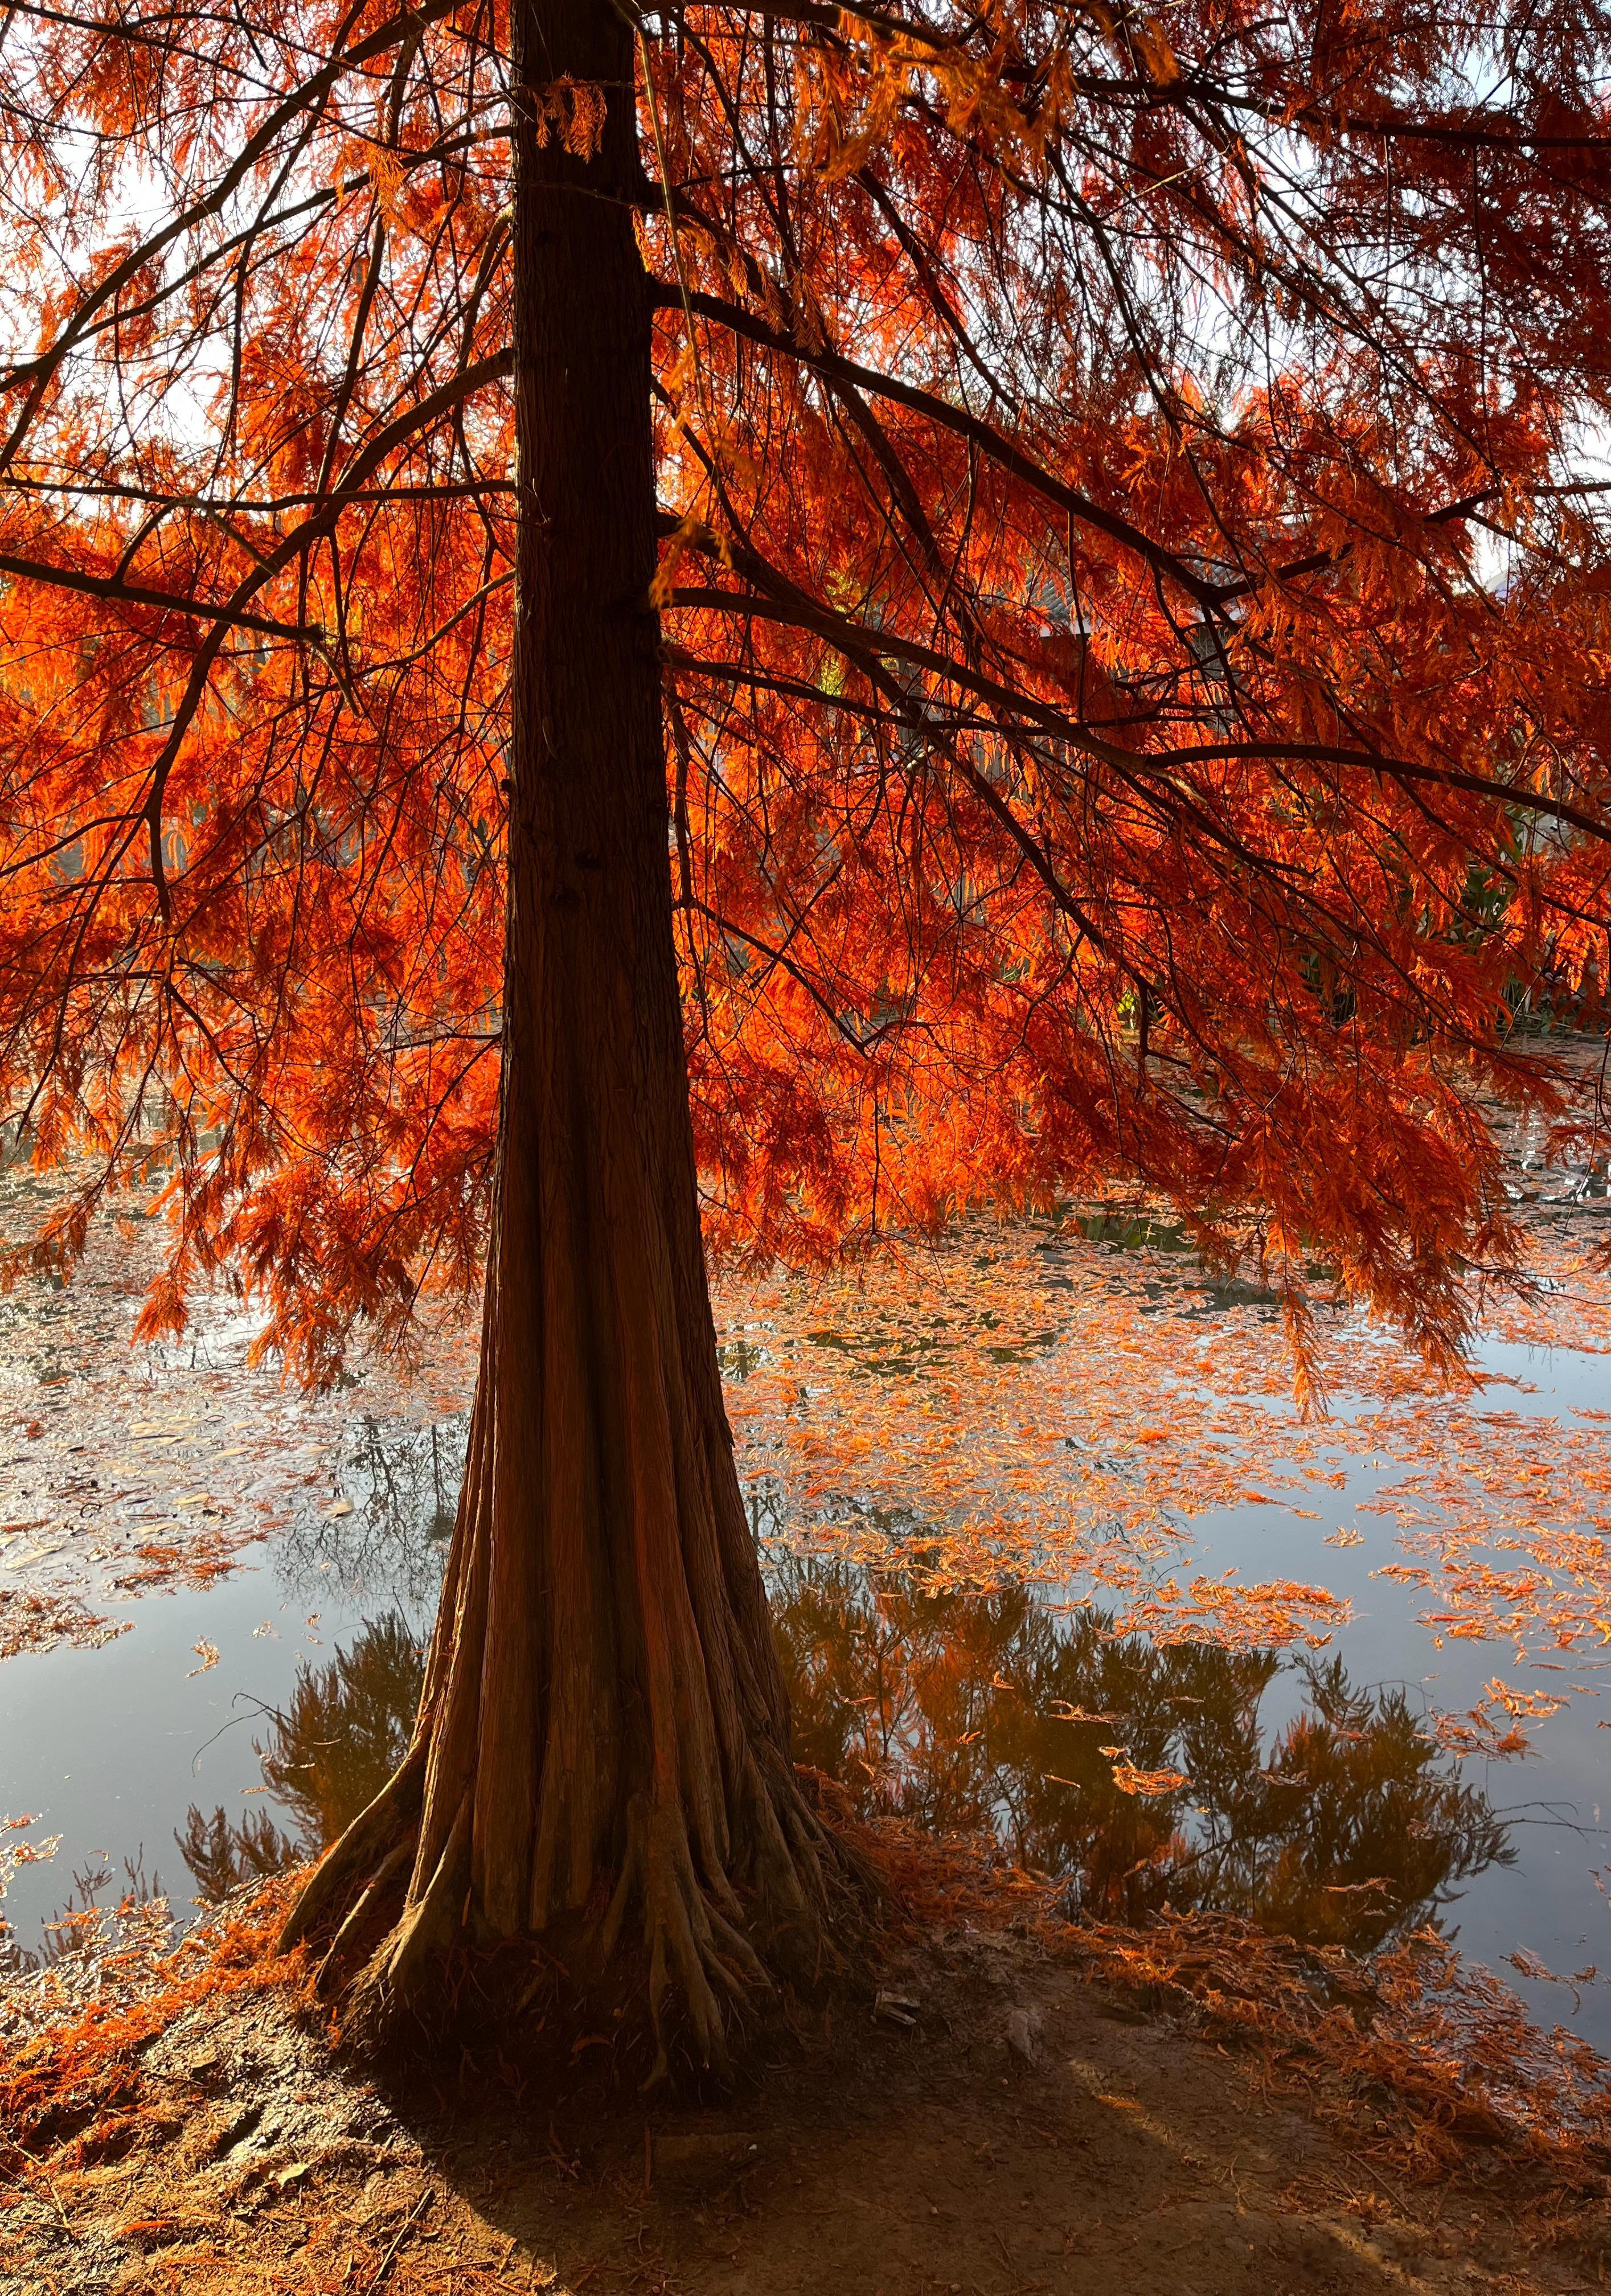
<point>1030,2129</point>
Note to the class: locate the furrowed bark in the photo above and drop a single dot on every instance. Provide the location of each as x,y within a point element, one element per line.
<point>602,1752</point>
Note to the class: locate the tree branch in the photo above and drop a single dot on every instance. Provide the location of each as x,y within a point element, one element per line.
<point>136,594</point>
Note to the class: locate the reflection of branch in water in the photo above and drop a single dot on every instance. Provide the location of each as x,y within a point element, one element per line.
<point>220,1854</point>
<point>404,1483</point>
<point>341,1734</point>
<point>1347,1826</point>
<point>86,1923</point>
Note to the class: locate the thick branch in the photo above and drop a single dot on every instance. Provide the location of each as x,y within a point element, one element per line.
<point>136,594</point>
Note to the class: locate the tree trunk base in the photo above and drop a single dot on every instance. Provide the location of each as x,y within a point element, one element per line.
<point>667,1968</point>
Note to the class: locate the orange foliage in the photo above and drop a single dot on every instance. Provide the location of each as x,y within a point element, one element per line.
<point>71,2063</point>
<point>1448,2049</point>
<point>1131,633</point>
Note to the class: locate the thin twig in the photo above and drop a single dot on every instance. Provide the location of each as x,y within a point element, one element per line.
<point>413,2217</point>
<point>50,2187</point>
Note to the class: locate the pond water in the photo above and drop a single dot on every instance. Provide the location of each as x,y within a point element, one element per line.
<point>1052,1552</point>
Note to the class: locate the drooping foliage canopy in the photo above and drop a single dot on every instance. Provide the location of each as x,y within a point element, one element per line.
<point>1132,615</point>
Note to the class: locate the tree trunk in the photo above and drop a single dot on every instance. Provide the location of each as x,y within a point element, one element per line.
<point>601,1758</point>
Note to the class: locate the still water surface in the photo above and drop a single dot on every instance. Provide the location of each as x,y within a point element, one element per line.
<point>999,1605</point>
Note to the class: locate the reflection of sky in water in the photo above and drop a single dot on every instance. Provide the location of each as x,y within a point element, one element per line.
<point>113,1748</point>
<point>1552,1900</point>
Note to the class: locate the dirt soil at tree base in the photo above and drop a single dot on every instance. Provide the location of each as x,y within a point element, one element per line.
<point>1029,2130</point>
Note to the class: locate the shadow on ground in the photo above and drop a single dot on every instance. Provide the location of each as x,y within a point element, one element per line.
<point>1025,2131</point>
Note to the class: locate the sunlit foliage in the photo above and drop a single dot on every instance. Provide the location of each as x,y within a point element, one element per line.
<point>1132,626</point>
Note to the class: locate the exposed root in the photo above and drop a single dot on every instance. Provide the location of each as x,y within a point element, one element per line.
<point>699,1964</point>
<point>399,1986</point>
<point>683,1934</point>
<point>344,1945</point>
<point>428,1929</point>
<point>357,1859</point>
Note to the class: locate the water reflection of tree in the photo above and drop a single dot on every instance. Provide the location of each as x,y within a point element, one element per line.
<point>404,1484</point>
<point>1346,1825</point>
<point>342,1733</point>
